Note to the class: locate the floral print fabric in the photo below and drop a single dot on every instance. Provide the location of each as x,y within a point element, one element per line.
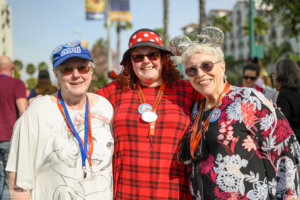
<point>250,152</point>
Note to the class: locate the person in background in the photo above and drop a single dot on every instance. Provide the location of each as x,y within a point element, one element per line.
<point>13,103</point>
<point>239,146</point>
<point>298,64</point>
<point>43,86</point>
<point>62,146</point>
<point>286,78</point>
<point>152,107</point>
<point>251,73</point>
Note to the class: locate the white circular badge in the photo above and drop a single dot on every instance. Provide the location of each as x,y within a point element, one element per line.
<point>149,116</point>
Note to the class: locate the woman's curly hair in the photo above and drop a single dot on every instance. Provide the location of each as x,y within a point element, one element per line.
<point>129,80</point>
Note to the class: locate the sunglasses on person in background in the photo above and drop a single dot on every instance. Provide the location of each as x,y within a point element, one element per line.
<point>252,78</point>
<point>206,66</point>
<point>69,70</point>
<point>153,56</point>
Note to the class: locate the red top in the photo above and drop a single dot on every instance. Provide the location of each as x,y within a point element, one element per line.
<point>11,89</point>
<point>141,172</point>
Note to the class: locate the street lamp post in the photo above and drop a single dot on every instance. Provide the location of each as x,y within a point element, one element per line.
<point>251,29</point>
<point>108,23</point>
<point>78,31</point>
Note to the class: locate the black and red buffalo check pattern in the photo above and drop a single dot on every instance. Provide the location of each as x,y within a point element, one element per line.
<point>141,171</point>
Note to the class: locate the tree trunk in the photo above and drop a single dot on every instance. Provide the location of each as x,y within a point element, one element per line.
<point>202,19</point>
<point>166,22</point>
<point>118,40</point>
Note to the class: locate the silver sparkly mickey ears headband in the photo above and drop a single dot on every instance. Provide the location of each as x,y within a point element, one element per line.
<point>210,35</point>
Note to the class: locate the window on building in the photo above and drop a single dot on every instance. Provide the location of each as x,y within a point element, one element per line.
<point>238,17</point>
<point>232,46</point>
<point>273,34</point>
<point>241,43</point>
<point>261,39</point>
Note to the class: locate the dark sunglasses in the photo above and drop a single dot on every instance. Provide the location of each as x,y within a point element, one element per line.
<point>153,56</point>
<point>252,78</point>
<point>69,70</point>
<point>206,66</point>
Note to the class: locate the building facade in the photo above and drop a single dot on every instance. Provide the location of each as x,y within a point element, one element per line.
<point>236,42</point>
<point>6,29</point>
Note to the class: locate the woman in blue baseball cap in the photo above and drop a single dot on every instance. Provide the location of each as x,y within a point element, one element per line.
<point>62,145</point>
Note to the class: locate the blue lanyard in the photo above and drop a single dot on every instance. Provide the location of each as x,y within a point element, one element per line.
<point>86,127</point>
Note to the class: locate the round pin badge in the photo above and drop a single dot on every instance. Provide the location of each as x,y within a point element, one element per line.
<point>149,116</point>
<point>214,116</point>
<point>71,44</point>
<point>57,49</point>
<point>144,108</point>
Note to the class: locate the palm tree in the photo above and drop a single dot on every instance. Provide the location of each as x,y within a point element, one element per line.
<point>202,20</point>
<point>166,22</point>
<point>119,27</point>
<point>42,66</point>
<point>223,23</point>
<point>99,53</point>
<point>18,68</point>
<point>260,27</point>
<point>30,69</point>
<point>160,31</point>
<point>274,52</point>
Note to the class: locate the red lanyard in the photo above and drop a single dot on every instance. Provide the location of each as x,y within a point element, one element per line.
<point>196,136</point>
<point>90,137</point>
<point>157,100</point>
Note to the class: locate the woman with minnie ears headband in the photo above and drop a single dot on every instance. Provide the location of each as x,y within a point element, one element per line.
<point>152,112</point>
<point>238,145</point>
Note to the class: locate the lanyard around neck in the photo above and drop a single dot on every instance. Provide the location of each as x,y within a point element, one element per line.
<point>157,100</point>
<point>88,139</point>
<point>197,135</point>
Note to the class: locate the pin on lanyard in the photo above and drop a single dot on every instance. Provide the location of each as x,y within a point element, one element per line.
<point>157,100</point>
<point>86,145</point>
<point>196,136</point>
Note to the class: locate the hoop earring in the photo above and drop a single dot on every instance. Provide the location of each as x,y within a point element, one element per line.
<point>225,78</point>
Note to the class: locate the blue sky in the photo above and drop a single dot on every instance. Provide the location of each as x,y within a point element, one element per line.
<point>40,25</point>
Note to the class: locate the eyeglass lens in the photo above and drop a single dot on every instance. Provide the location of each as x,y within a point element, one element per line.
<point>153,56</point>
<point>80,69</point>
<point>206,66</point>
<point>252,78</point>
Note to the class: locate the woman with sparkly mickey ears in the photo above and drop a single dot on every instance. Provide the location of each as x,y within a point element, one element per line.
<point>152,108</point>
<point>238,146</point>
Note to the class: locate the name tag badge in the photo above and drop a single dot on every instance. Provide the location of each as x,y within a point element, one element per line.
<point>149,116</point>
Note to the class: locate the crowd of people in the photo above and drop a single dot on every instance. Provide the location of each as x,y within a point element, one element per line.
<point>150,134</point>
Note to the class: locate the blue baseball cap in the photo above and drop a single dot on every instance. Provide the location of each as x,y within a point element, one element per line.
<point>69,50</point>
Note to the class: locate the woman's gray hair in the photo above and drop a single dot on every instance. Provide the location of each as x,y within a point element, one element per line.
<point>209,41</point>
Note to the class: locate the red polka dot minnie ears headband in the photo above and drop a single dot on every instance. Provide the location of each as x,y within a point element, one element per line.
<point>144,37</point>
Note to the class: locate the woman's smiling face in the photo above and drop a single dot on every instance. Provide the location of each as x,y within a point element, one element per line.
<point>148,71</point>
<point>206,82</point>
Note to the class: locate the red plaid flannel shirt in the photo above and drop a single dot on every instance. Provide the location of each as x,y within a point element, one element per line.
<point>141,172</point>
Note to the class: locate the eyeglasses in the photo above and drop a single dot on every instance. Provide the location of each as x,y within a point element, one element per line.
<point>252,78</point>
<point>153,56</point>
<point>69,70</point>
<point>206,66</point>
